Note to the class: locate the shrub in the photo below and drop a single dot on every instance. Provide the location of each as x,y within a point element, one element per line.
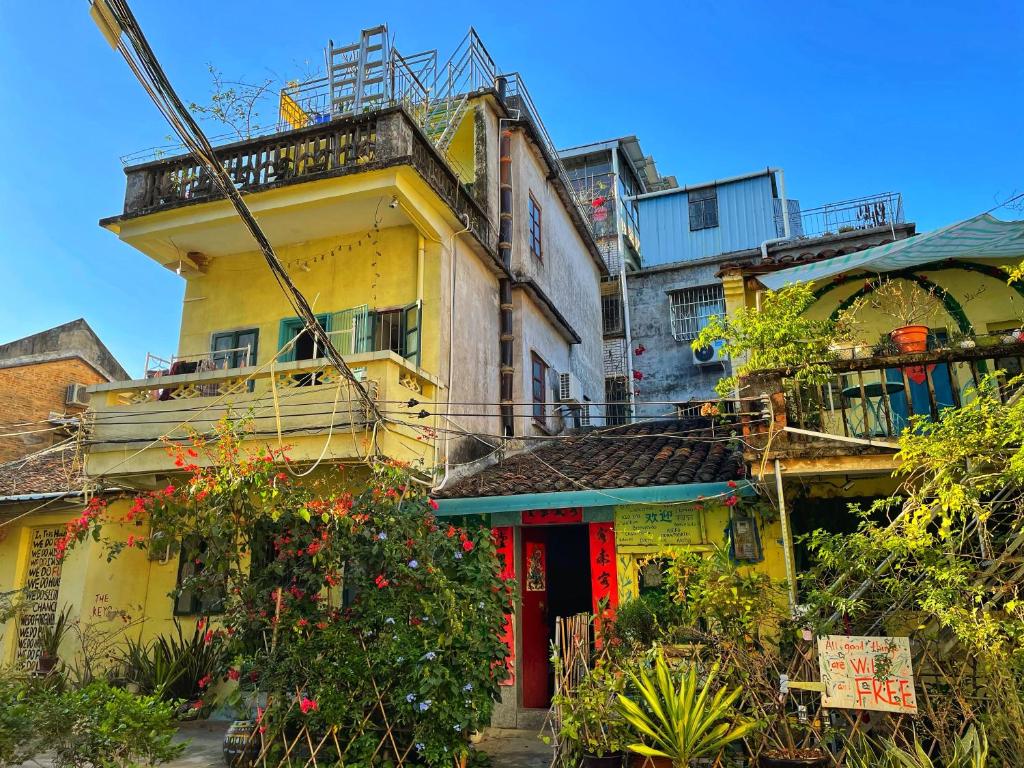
<point>173,666</point>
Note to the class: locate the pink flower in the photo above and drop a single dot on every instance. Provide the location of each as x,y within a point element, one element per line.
<point>306,705</point>
<point>731,501</point>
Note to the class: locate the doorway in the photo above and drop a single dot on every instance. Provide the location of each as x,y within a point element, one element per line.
<point>555,582</point>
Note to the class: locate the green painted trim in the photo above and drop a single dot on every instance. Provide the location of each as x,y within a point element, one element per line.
<point>288,324</point>
<point>594,498</point>
<point>599,515</point>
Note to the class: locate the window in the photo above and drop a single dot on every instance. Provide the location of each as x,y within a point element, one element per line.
<point>703,208</point>
<point>533,214</point>
<point>234,349</point>
<point>611,314</point>
<point>387,333</point>
<point>692,309</point>
<point>540,379</point>
<point>190,600</point>
<point>616,400</point>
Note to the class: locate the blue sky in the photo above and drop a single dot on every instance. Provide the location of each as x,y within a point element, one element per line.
<point>851,98</point>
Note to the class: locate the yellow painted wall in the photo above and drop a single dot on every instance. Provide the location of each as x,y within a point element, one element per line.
<point>714,520</point>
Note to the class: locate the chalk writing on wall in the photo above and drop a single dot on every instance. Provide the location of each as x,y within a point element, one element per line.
<point>657,526</point>
<point>42,584</point>
<point>872,673</point>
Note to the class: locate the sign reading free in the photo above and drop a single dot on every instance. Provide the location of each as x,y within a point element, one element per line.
<point>654,527</point>
<point>873,673</point>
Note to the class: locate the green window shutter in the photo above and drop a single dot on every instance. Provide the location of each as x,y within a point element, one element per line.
<point>412,318</point>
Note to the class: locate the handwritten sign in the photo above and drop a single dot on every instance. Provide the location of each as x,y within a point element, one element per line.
<point>653,527</point>
<point>42,583</point>
<point>873,673</point>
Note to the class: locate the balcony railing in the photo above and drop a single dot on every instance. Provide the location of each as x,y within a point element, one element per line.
<point>877,398</point>
<point>302,399</point>
<point>345,145</point>
<point>884,210</point>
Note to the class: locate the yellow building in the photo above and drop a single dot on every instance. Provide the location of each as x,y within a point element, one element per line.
<point>436,235</point>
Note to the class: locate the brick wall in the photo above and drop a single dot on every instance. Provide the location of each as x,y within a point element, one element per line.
<point>30,393</point>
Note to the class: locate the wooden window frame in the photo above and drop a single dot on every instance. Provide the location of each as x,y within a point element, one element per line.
<point>540,417</point>
<point>535,227</point>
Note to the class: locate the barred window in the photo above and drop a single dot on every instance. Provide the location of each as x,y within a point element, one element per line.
<point>692,308</point>
<point>703,208</point>
<point>533,214</point>
<point>611,314</point>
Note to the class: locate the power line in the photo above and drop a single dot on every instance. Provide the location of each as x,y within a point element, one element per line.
<point>148,71</point>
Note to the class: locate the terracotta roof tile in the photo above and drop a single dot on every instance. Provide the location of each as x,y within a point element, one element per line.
<point>54,472</point>
<point>651,453</point>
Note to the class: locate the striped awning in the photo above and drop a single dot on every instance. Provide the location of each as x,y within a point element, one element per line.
<point>983,237</point>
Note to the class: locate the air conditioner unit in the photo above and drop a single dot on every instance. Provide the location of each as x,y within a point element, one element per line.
<point>712,354</point>
<point>569,390</point>
<point>75,394</point>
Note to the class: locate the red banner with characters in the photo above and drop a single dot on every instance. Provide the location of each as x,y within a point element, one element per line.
<point>506,555</point>
<point>603,581</point>
<point>553,516</point>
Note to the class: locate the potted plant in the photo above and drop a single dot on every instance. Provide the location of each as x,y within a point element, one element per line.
<point>676,721</point>
<point>50,639</point>
<point>591,726</point>
<point>910,304</point>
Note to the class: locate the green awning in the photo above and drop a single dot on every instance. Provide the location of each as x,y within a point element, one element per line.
<point>983,237</point>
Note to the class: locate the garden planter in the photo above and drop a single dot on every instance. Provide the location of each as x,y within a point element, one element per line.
<point>639,761</point>
<point>774,761</point>
<point>611,760</point>
<point>240,750</point>
<point>46,663</point>
<point>911,338</point>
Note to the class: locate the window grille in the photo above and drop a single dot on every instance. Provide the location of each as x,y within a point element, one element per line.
<point>703,205</point>
<point>534,217</point>
<point>691,309</point>
<point>611,314</point>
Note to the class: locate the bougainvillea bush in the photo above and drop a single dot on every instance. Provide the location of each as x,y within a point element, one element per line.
<point>348,607</point>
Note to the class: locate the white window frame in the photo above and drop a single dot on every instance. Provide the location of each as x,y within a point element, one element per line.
<point>690,309</point>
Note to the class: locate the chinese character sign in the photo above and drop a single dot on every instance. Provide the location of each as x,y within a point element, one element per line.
<point>506,556</point>
<point>652,527</point>
<point>604,584</point>
<point>873,673</point>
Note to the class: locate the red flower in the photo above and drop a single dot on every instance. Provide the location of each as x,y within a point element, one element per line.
<point>197,704</point>
<point>381,582</point>
<point>468,545</point>
<point>208,637</point>
<point>204,681</point>
<point>450,532</point>
<point>598,201</point>
<point>307,705</point>
<point>169,490</point>
<point>131,540</point>
<point>638,375</point>
<point>432,503</point>
<point>233,674</point>
<point>731,483</point>
<point>640,349</point>
<point>731,501</point>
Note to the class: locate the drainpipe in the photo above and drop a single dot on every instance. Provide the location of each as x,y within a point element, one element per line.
<point>622,290</point>
<point>505,338</point>
<point>785,215</point>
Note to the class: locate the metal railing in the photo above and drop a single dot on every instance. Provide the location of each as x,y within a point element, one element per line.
<point>882,210</point>
<point>879,397</point>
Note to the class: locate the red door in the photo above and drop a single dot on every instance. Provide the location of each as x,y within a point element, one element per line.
<point>535,618</point>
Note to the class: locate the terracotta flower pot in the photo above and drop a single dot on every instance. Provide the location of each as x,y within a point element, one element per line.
<point>640,761</point>
<point>911,338</point>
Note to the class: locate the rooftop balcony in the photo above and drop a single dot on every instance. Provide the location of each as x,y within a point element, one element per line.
<point>306,401</point>
<point>164,218</point>
<point>859,213</point>
<point>872,398</point>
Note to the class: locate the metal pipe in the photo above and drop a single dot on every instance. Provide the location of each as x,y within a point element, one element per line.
<point>506,337</point>
<point>787,538</point>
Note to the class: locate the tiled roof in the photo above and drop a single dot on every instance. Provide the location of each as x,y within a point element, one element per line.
<point>54,472</point>
<point>668,452</point>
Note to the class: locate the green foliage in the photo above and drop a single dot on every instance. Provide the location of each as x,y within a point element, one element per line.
<point>414,644</point>
<point>235,104</point>
<point>108,727</point>
<point>20,737</point>
<point>175,666</point>
<point>50,637</point>
<point>679,721</point>
<point>591,722</point>
<point>969,750</point>
<point>729,602</point>
<point>778,336</point>
<point>642,621</point>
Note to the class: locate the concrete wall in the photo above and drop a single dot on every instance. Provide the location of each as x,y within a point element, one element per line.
<point>567,274</point>
<point>666,364</point>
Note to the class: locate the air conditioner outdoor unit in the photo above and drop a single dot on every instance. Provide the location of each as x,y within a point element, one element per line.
<point>75,394</point>
<point>569,390</point>
<point>712,354</point>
